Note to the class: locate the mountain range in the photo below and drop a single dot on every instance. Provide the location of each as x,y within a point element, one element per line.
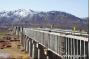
<point>30,18</point>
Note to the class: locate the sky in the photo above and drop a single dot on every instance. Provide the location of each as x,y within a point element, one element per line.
<point>78,8</point>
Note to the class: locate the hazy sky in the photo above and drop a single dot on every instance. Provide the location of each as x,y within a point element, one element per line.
<point>78,8</point>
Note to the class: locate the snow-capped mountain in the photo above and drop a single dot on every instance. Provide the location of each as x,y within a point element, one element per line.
<point>29,17</point>
<point>20,12</point>
<point>23,12</point>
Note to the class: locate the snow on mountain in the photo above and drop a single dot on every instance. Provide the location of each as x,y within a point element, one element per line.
<point>19,12</point>
<point>24,12</point>
<point>3,13</point>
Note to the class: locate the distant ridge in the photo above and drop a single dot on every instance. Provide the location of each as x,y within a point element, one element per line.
<point>28,18</point>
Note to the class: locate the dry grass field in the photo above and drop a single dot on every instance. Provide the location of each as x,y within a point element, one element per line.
<point>13,51</point>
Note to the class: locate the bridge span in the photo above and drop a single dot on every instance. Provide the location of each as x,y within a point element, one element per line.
<point>45,43</point>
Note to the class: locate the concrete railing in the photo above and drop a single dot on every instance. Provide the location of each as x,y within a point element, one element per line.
<point>60,43</point>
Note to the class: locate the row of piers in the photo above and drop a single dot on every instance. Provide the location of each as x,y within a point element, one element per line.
<point>37,50</point>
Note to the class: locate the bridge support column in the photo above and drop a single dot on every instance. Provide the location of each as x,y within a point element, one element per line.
<point>34,50</point>
<point>80,49</point>
<point>25,44</point>
<point>52,55</point>
<point>30,46</point>
<point>38,53</point>
<point>41,52</point>
<point>27,47</point>
<point>84,50</point>
<point>22,37</point>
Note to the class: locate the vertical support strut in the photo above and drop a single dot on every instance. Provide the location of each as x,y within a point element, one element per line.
<point>33,51</point>
<point>84,50</point>
<point>68,48</point>
<point>77,49</point>
<point>74,48</point>
<point>80,49</point>
<point>71,47</point>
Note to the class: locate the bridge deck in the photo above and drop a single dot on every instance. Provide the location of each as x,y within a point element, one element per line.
<point>59,33</point>
<point>63,43</point>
